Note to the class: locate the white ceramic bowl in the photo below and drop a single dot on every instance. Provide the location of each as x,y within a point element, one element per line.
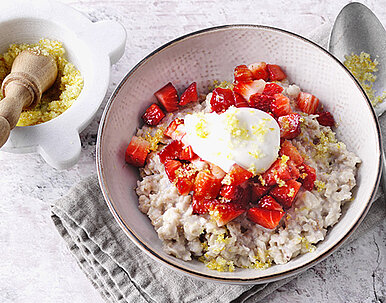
<point>212,54</point>
<point>91,47</point>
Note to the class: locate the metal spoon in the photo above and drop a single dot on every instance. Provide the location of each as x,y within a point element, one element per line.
<point>357,29</point>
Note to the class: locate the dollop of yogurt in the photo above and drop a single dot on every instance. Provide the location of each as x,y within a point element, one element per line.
<point>246,136</point>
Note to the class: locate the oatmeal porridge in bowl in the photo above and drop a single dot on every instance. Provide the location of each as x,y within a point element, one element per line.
<point>251,162</point>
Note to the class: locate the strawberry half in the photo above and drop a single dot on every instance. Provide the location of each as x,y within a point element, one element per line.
<point>259,71</point>
<point>281,105</point>
<point>175,130</point>
<point>289,126</point>
<point>272,89</point>
<point>275,72</point>
<point>269,203</point>
<point>326,119</point>
<point>267,218</point>
<point>206,186</point>
<point>222,99</point>
<point>260,101</point>
<point>223,213</point>
<point>242,73</point>
<point>286,194</point>
<point>307,103</point>
<point>291,151</point>
<point>137,151</point>
<point>172,151</point>
<point>277,173</point>
<point>153,115</point>
<point>307,176</point>
<point>189,95</point>
<point>237,175</point>
<point>168,97</point>
<point>248,88</point>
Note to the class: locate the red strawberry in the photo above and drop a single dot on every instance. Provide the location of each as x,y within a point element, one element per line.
<point>269,203</point>
<point>294,171</point>
<point>275,72</point>
<point>281,105</point>
<point>242,73</point>
<point>237,194</point>
<point>189,95</point>
<point>260,101</point>
<point>240,101</point>
<point>278,172</point>
<point>222,99</point>
<point>259,70</point>
<point>168,97</point>
<point>326,119</point>
<point>307,103</point>
<point>202,206</point>
<point>237,175</point>
<point>187,153</point>
<point>272,88</point>
<point>248,88</point>
<point>307,176</point>
<point>291,151</point>
<point>206,186</point>
<point>289,126</point>
<point>223,213</point>
<point>286,194</point>
<point>171,167</point>
<point>217,171</point>
<point>153,115</point>
<point>258,190</point>
<point>137,151</point>
<point>172,151</point>
<point>175,130</point>
<point>264,217</point>
<point>185,179</point>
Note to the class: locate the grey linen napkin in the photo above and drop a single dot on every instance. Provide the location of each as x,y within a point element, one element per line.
<point>123,273</point>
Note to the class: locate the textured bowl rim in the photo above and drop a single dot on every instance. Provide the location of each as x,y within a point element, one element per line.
<point>151,252</point>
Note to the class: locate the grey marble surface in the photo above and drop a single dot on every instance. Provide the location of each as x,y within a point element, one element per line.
<point>35,265</point>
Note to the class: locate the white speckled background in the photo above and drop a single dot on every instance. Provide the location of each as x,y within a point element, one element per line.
<point>35,265</point>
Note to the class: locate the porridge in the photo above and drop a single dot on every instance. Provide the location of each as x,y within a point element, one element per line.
<point>245,177</point>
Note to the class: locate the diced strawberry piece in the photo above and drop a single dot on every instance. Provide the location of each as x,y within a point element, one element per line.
<point>240,101</point>
<point>281,105</point>
<point>307,103</point>
<point>260,101</point>
<point>175,129</point>
<point>259,71</point>
<point>172,151</point>
<point>326,119</point>
<point>181,175</point>
<point>137,151</point>
<point>275,72</point>
<point>168,97</point>
<point>223,213</point>
<point>269,203</point>
<point>277,173</point>
<point>171,167</point>
<point>291,152</point>
<point>153,115</point>
<point>294,171</point>
<point>187,153</point>
<point>238,194</point>
<point>189,95</point>
<point>248,88</point>
<point>289,126</point>
<point>202,206</point>
<point>237,175</point>
<point>286,194</point>
<point>258,190</point>
<point>206,186</point>
<point>267,218</point>
<point>217,171</point>
<point>222,99</point>
<point>243,73</point>
<point>307,176</point>
<point>272,89</point>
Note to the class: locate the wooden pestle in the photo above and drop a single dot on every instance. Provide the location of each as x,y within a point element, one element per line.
<point>32,74</point>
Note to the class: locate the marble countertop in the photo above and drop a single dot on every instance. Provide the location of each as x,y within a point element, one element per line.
<point>35,264</point>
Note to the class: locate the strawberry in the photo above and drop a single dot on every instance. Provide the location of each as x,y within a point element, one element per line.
<point>216,171</point>
<point>189,95</point>
<point>153,115</point>
<point>168,97</point>
<point>289,126</point>
<point>307,176</point>
<point>294,171</point>
<point>307,103</point>
<point>240,101</point>
<point>237,194</point>
<point>267,202</point>
<point>291,151</point>
<point>223,213</point>
<point>181,175</point>
<point>172,151</point>
<point>175,130</point>
<point>260,101</point>
<point>281,105</point>
<point>202,206</point>
<point>187,153</point>
<point>171,167</point>
<point>277,173</point>
<point>237,175</point>
<point>206,186</point>
<point>222,99</point>
<point>259,71</point>
<point>248,88</point>
<point>266,218</point>
<point>286,194</point>
<point>137,151</point>
<point>275,72</point>
<point>258,190</point>
<point>272,88</point>
<point>242,73</point>
<point>326,119</point>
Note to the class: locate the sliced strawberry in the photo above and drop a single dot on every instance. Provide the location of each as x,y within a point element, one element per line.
<point>185,178</point>
<point>307,176</point>
<point>168,97</point>
<point>269,203</point>
<point>222,99</point>
<point>240,101</point>
<point>217,171</point>
<point>206,186</point>
<point>172,151</point>
<point>326,119</point>
<point>153,115</point>
<point>272,89</point>
<point>281,105</point>
<point>187,153</point>
<point>175,130</point>
<point>237,175</point>
<point>242,73</point>
<point>286,194</point>
<point>267,218</point>
<point>137,151</point>
<point>259,71</point>
<point>291,151</point>
<point>202,206</point>
<point>260,101</point>
<point>248,88</point>
<point>294,171</point>
<point>275,72</point>
<point>277,173</point>
<point>171,167</point>
<point>307,103</point>
<point>258,190</point>
<point>289,126</point>
<point>223,213</point>
<point>189,95</point>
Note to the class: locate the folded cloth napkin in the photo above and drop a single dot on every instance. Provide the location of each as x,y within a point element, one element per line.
<point>122,273</point>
